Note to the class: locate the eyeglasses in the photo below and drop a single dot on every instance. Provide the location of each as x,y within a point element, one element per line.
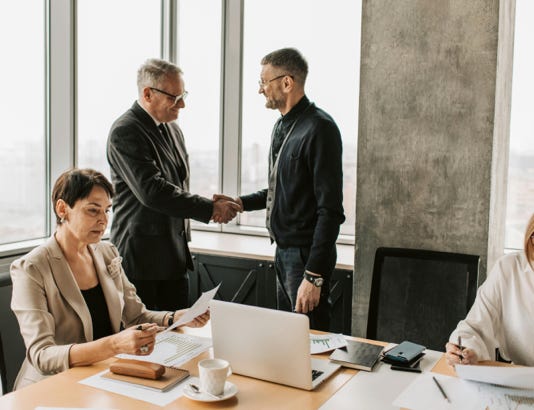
<point>176,98</point>
<point>263,84</point>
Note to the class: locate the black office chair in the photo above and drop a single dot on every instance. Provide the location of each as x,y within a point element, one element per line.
<point>420,295</point>
<point>3,372</point>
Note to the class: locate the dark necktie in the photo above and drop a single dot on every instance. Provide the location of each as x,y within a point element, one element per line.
<point>166,138</point>
<point>163,131</point>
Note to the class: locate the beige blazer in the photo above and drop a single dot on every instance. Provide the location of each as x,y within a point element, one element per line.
<point>51,310</point>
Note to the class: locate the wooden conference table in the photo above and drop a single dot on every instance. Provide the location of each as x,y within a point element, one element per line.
<point>63,390</point>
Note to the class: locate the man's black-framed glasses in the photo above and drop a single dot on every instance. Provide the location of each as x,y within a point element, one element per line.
<point>176,98</point>
<point>263,83</point>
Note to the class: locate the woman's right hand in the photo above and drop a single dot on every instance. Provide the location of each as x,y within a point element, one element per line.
<point>138,340</point>
<point>455,355</point>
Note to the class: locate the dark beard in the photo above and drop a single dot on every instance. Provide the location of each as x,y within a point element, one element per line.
<point>274,104</point>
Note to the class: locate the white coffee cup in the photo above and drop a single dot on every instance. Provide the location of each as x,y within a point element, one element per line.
<point>213,374</point>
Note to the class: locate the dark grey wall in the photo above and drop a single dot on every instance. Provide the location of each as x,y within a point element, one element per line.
<point>426,131</point>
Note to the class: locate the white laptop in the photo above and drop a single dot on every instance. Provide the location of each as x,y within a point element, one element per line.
<point>267,344</point>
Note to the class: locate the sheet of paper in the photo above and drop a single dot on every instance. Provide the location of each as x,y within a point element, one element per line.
<point>325,343</point>
<point>463,394</point>
<point>518,377</point>
<point>139,393</point>
<point>376,390</point>
<point>424,394</point>
<point>198,308</point>
<point>173,349</point>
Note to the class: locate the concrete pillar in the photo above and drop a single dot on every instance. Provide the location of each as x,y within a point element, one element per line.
<point>428,128</point>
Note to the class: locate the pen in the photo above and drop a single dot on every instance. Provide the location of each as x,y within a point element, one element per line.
<point>459,344</point>
<point>441,389</point>
<point>140,327</point>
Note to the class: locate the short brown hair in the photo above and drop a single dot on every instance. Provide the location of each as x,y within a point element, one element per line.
<point>76,184</point>
<point>289,60</point>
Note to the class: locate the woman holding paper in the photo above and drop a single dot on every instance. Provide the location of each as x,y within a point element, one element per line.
<point>503,312</point>
<point>72,299</point>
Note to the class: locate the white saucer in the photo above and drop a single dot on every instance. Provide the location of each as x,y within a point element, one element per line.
<point>230,390</point>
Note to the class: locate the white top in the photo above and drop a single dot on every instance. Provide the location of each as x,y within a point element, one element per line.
<point>503,313</point>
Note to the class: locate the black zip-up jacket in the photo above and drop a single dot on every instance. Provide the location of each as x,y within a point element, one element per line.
<point>308,205</point>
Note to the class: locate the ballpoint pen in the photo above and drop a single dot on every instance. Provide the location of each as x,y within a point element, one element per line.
<point>459,344</point>
<point>441,389</point>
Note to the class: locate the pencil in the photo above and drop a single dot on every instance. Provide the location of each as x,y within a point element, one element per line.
<point>441,389</point>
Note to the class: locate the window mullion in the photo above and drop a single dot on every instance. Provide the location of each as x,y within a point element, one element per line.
<point>230,158</point>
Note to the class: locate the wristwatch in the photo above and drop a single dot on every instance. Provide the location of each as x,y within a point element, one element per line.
<point>170,320</point>
<point>314,280</point>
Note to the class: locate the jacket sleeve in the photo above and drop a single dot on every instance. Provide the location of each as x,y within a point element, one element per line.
<point>325,163</point>
<point>254,201</point>
<point>481,328</point>
<point>37,324</point>
<point>133,159</point>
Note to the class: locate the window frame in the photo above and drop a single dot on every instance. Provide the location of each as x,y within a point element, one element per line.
<point>61,111</point>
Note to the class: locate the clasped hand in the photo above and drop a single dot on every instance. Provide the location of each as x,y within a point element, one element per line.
<point>455,355</point>
<point>225,208</point>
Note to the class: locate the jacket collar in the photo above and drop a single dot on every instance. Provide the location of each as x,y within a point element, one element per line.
<point>68,287</point>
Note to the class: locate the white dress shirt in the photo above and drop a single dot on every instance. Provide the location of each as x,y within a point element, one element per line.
<point>503,313</point>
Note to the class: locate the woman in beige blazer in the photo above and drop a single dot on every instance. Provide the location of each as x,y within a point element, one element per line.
<point>73,301</point>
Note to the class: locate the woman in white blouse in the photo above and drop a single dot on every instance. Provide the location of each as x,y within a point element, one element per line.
<point>502,316</point>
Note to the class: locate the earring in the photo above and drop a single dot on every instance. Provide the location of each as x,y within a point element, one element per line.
<point>62,220</point>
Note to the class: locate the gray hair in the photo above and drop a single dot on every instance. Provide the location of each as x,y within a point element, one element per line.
<point>291,61</point>
<point>153,71</point>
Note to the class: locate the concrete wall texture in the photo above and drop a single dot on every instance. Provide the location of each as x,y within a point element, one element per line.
<point>426,130</point>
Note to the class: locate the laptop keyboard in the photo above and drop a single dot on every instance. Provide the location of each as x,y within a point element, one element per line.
<point>316,374</point>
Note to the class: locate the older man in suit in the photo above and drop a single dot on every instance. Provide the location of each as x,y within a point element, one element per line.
<point>150,174</point>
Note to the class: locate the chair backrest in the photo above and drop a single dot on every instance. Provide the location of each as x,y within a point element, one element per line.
<point>420,295</point>
<point>13,343</point>
<point>3,373</point>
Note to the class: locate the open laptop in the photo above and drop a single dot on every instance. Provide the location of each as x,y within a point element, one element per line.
<point>267,344</point>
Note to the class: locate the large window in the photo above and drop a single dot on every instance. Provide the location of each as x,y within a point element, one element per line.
<point>313,27</point>
<point>113,39</point>
<point>521,166</point>
<point>23,210</point>
<point>75,66</point>
<point>199,56</point>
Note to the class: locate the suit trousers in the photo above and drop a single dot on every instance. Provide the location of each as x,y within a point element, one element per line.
<point>168,295</point>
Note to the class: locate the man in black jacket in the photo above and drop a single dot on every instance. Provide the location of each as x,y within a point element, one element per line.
<point>150,173</point>
<point>304,199</point>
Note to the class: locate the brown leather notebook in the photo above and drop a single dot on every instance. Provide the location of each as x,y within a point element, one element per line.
<point>170,378</point>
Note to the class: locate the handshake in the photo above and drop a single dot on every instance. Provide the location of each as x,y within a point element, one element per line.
<point>225,208</point>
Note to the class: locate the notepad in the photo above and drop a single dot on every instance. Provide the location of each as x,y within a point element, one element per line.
<point>357,355</point>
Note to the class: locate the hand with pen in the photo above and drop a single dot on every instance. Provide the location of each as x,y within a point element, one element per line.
<point>459,354</point>
<point>138,340</point>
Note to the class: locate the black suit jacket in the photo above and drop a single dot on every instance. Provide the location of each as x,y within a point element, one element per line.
<point>152,203</point>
